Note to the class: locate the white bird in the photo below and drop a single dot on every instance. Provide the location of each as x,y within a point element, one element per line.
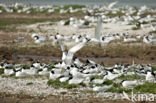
<point>98,29</point>
<point>36,65</point>
<point>130,39</point>
<point>78,62</point>
<point>101,89</point>
<point>111,5</point>
<point>150,77</point>
<point>64,79</point>
<point>54,76</point>
<point>44,72</point>
<point>21,74</point>
<point>76,80</point>
<point>129,84</point>
<point>72,51</point>
<point>39,39</point>
<point>8,71</point>
<point>98,81</point>
<point>111,76</point>
<point>30,71</point>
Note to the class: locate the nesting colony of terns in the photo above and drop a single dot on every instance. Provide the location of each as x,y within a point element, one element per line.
<point>77,72</point>
<point>98,37</point>
<point>71,69</point>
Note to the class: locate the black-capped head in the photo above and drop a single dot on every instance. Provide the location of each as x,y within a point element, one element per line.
<point>2,64</point>
<point>93,67</point>
<point>79,36</point>
<point>55,37</point>
<point>68,68</point>
<point>32,65</point>
<point>74,58</point>
<point>71,77</point>
<point>36,37</point>
<point>24,67</point>
<point>52,72</point>
<point>72,66</point>
<point>87,61</point>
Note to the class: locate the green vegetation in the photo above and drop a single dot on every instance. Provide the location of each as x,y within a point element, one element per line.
<point>153,68</point>
<point>147,87</point>
<point>111,15</point>
<point>130,77</point>
<point>29,83</point>
<point>25,66</point>
<point>117,88</point>
<point>58,84</point>
<point>1,71</point>
<point>96,77</point>
<point>74,6</point>
<point>152,32</point>
<point>106,82</point>
<point>135,28</point>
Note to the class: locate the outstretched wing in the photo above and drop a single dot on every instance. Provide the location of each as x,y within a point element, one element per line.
<point>62,47</point>
<point>98,29</point>
<point>111,5</point>
<point>63,50</point>
<point>72,51</point>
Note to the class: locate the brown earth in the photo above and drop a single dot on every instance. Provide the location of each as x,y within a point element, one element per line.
<point>8,98</point>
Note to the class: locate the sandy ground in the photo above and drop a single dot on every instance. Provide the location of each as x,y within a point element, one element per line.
<point>16,90</point>
<point>52,28</point>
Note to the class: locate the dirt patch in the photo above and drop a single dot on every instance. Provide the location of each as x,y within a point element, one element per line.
<point>108,55</point>
<point>8,98</point>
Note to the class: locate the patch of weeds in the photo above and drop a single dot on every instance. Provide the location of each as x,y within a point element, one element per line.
<point>86,23</point>
<point>135,28</point>
<point>153,68</point>
<point>10,67</point>
<point>96,77</point>
<point>83,84</point>
<point>132,68</point>
<point>117,88</point>
<point>91,85</point>
<point>129,77</point>
<point>39,70</point>
<point>154,32</point>
<point>67,22</point>
<point>58,84</point>
<point>108,82</point>
<point>7,76</point>
<point>73,6</point>
<point>25,66</point>
<point>1,71</point>
<point>147,87</point>
<point>29,83</point>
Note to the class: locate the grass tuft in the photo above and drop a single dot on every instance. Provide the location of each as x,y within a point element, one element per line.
<point>147,87</point>
<point>57,84</point>
<point>96,77</point>
<point>1,71</point>
<point>153,68</point>
<point>29,83</point>
<point>129,77</point>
